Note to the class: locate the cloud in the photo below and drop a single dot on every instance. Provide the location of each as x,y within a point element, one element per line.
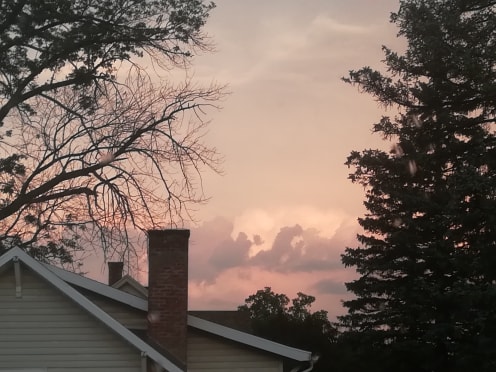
<point>257,240</point>
<point>267,222</point>
<point>285,248</point>
<point>326,24</point>
<point>268,240</point>
<point>296,249</point>
<point>206,244</point>
<point>291,249</point>
<point>291,46</point>
<point>231,253</point>
<point>236,284</point>
<point>289,257</point>
<point>330,286</point>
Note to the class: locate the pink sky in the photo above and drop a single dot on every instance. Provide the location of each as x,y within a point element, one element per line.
<point>284,210</point>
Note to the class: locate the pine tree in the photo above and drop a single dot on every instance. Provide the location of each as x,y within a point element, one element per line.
<point>426,295</point>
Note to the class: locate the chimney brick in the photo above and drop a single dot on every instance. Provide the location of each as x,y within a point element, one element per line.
<point>115,272</point>
<point>168,290</point>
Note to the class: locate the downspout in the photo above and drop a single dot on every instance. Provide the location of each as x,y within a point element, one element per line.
<point>17,274</point>
<point>143,361</point>
<point>313,360</point>
<point>309,368</point>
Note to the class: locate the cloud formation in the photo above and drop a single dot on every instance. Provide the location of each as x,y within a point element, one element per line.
<point>219,250</point>
<point>227,265</point>
<point>296,249</point>
<point>293,250</point>
<point>231,252</point>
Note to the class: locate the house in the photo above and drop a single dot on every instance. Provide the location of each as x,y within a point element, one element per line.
<point>54,320</point>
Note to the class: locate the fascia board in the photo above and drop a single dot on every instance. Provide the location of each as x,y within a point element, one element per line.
<point>99,288</point>
<point>8,256</point>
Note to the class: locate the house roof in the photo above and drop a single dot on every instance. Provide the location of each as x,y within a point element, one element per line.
<point>127,280</point>
<point>239,320</point>
<point>100,288</point>
<point>205,321</point>
<point>16,254</point>
<point>248,339</point>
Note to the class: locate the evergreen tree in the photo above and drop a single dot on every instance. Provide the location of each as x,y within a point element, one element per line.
<point>426,295</point>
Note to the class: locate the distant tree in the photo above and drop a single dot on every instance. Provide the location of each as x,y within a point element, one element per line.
<point>426,296</point>
<point>295,325</point>
<point>90,143</point>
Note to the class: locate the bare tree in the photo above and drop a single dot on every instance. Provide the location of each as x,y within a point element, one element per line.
<point>90,143</point>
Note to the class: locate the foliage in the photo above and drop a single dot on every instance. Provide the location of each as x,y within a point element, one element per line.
<point>295,325</point>
<point>91,143</point>
<point>426,296</point>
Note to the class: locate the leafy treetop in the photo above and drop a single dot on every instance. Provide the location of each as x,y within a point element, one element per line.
<point>292,323</point>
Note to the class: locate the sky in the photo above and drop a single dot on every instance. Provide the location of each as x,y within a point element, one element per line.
<point>283,211</point>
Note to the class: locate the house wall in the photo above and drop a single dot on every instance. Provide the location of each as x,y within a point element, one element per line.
<point>211,353</point>
<point>45,329</point>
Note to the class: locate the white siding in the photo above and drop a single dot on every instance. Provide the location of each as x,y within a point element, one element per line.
<point>210,353</point>
<point>45,329</point>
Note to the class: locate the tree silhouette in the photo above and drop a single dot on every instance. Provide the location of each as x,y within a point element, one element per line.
<point>425,298</point>
<point>295,325</point>
<point>92,144</point>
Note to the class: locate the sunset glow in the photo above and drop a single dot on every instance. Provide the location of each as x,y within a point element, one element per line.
<point>284,210</point>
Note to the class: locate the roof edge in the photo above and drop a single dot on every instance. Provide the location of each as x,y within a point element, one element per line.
<point>99,288</point>
<point>250,340</point>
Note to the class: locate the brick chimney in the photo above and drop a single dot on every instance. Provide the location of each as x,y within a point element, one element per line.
<point>115,272</point>
<point>168,290</point>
